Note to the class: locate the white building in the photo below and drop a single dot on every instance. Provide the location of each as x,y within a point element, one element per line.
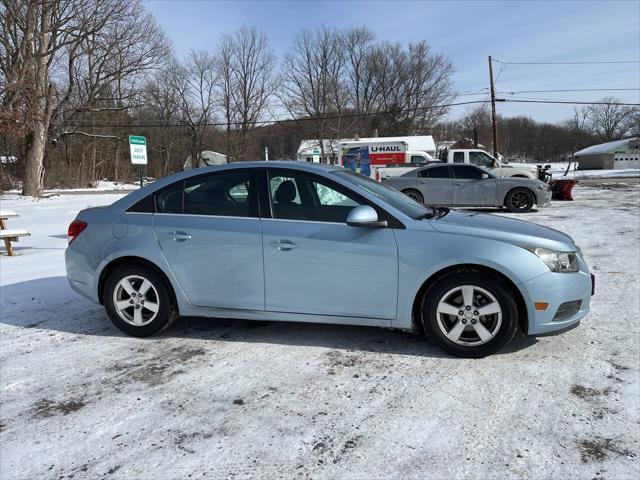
<point>310,148</point>
<point>619,154</point>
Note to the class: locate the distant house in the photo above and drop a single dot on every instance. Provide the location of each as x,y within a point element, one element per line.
<point>308,148</point>
<point>466,143</point>
<point>619,154</point>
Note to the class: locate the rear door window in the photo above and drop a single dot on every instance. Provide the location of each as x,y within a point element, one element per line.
<point>229,194</point>
<point>436,172</point>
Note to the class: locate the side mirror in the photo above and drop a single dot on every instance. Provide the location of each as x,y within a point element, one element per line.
<point>365,216</point>
<point>484,176</point>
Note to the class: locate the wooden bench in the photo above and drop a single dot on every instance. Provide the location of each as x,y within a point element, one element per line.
<point>9,235</point>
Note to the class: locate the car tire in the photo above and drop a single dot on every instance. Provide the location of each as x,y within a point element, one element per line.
<point>414,195</point>
<point>138,300</point>
<point>520,200</point>
<point>469,334</point>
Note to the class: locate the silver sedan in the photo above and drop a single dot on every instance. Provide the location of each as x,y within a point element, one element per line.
<point>470,186</point>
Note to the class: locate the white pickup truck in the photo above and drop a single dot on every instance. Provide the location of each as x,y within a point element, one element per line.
<point>472,156</point>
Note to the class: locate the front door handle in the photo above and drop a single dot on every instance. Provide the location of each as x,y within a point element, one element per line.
<point>457,184</point>
<point>179,236</point>
<point>284,245</point>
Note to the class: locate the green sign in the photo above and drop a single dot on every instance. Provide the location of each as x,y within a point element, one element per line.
<point>138,150</point>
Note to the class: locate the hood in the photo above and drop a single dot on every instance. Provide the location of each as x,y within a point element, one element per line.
<point>504,229</point>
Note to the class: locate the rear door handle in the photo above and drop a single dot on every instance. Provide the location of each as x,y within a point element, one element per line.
<point>457,184</point>
<point>284,245</point>
<point>179,236</point>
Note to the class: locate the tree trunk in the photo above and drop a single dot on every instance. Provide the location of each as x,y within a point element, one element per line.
<point>32,183</point>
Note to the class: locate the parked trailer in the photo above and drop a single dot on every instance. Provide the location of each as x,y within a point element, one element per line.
<point>369,154</point>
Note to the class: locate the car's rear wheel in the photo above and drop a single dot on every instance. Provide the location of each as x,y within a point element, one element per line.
<point>414,195</point>
<point>469,314</point>
<point>137,300</point>
<point>520,200</point>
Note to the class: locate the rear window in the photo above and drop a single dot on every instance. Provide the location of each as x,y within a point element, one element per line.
<point>143,206</point>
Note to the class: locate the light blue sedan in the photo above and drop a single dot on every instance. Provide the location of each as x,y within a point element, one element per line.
<point>305,242</point>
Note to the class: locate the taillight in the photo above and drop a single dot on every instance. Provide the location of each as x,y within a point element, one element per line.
<point>76,228</point>
<point>377,175</point>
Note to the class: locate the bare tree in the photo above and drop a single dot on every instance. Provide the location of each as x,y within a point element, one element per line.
<point>195,82</point>
<point>579,127</point>
<point>246,84</point>
<point>608,119</point>
<point>34,35</point>
<point>414,87</point>
<point>107,75</point>
<point>312,81</point>
<point>360,72</point>
<point>162,99</point>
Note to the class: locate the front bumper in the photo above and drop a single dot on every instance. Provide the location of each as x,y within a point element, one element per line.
<point>556,289</point>
<point>543,198</point>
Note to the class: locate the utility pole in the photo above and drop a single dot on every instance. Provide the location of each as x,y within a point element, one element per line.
<point>493,110</point>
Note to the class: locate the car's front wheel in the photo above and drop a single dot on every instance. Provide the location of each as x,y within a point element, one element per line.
<point>137,300</point>
<point>520,200</point>
<point>470,314</point>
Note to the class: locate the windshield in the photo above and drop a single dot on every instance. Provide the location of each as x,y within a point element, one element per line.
<point>387,194</point>
<point>480,159</point>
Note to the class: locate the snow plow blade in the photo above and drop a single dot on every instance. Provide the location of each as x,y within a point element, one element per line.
<point>561,189</point>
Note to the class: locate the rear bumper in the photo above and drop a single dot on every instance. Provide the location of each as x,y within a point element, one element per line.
<point>81,273</point>
<point>556,289</point>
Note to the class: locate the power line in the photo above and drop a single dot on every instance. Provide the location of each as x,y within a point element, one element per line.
<point>283,120</point>
<point>568,63</point>
<point>566,102</point>
<point>354,115</point>
<point>571,90</point>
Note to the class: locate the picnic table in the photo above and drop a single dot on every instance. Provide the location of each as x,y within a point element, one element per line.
<point>9,235</point>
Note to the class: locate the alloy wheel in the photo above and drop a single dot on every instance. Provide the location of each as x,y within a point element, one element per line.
<point>521,200</point>
<point>136,300</point>
<point>469,315</point>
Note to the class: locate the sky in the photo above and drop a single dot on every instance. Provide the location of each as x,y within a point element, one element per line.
<point>467,32</point>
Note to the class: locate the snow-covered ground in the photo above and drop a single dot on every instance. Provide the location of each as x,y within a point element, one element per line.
<point>221,398</point>
<point>101,186</point>
<point>558,169</point>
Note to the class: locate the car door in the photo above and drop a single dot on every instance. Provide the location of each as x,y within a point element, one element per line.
<point>436,185</point>
<point>317,264</point>
<point>210,233</point>
<point>470,189</point>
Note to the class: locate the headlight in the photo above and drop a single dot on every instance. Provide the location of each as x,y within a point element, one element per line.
<point>563,262</point>
<point>543,188</point>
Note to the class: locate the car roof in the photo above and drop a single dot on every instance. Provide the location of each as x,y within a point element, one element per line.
<point>307,166</point>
